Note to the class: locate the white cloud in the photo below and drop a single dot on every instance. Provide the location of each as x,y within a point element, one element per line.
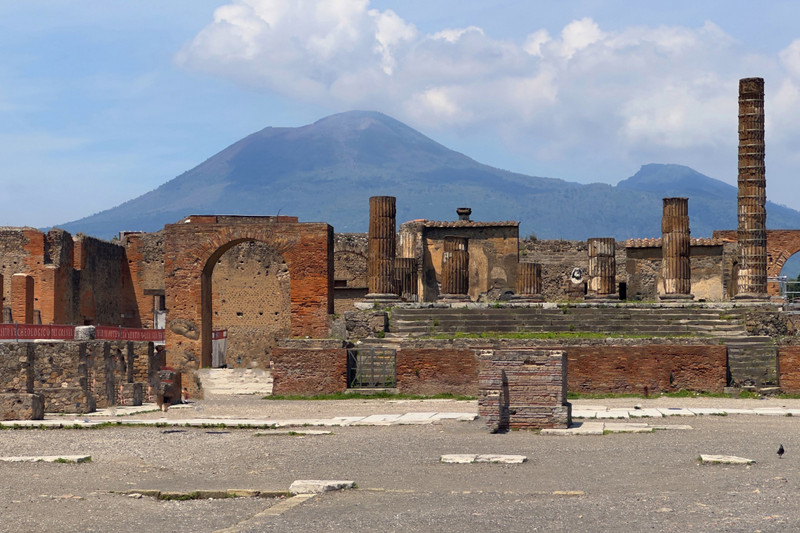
<point>629,93</point>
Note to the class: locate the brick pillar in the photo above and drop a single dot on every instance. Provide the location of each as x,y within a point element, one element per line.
<point>602,268</point>
<point>675,249</point>
<point>752,235</point>
<point>405,278</point>
<point>22,298</point>
<point>382,246</point>
<point>529,280</point>
<point>455,268</point>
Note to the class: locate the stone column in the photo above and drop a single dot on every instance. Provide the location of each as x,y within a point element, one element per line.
<point>405,278</point>
<point>675,250</point>
<point>455,269</point>
<point>22,298</point>
<point>529,281</point>
<point>751,282</point>
<point>382,245</point>
<point>602,269</point>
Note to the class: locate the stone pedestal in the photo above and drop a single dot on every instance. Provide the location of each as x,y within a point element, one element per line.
<point>523,389</point>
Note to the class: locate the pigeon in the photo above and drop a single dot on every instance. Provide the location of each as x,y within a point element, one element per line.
<point>780,452</point>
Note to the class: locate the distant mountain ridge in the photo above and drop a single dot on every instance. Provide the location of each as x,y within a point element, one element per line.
<point>326,172</point>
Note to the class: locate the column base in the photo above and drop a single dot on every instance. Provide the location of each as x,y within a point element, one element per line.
<point>449,298</point>
<point>752,297</point>
<point>525,298</point>
<point>675,297</point>
<point>602,297</point>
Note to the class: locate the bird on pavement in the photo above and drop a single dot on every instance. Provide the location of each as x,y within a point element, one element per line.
<point>781,452</point>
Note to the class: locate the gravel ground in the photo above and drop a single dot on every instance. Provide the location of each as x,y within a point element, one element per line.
<point>617,482</point>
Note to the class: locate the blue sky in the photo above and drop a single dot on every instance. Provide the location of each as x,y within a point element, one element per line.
<point>103,101</point>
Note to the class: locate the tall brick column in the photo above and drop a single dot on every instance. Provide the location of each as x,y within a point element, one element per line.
<point>529,281</point>
<point>382,244</point>
<point>752,236</point>
<point>22,298</point>
<point>602,269</point>
<point>455,269</point>
<point>675,250</point>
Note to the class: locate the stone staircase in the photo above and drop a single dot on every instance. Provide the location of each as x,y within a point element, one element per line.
<point>752,362</point>
<point>648,321</point>
<point>232,381</point>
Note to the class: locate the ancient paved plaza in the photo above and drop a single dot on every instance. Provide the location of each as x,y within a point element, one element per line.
<point>631,475</point>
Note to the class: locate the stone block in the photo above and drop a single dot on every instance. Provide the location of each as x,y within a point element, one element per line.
<point>132,394</point>
<point>21,406</point>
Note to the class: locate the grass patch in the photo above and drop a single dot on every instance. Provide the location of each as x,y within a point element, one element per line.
<point>749,395</point>
<point>601,395</point>
<point>376,396</point>
<point>683,393</point>
<point>787,396</point>
<point>677,394</point>
<point>545,335</point>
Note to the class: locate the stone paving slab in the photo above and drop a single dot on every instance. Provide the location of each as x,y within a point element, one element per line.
<point>645,413</point>
<point>584,413</point>
<point>708,411</point>
<point>318,486</point>
<point>601,428</point>
<point>378,420</point>
<point>613,413</point>
<point>47,459</point>
<point>725,459</point>
<point>468,458</point>
<point>675,411</point>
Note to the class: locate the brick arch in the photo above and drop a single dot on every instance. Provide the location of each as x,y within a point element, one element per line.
<point>781,245</point>
<point>192,247</point>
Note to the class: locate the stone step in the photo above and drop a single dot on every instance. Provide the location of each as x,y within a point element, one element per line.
<point>231,381</point>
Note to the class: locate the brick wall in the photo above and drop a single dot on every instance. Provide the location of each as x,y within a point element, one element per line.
<point>648,369</point>
<point>437,369</point>
<point>250,292</point>
<point>789,369</point>
<point>308,367</point>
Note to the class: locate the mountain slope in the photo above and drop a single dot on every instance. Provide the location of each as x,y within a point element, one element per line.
<point>327,171</point>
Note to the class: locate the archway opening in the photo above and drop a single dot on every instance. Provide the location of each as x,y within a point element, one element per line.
<point>790,277</point>
<point>245,291</point>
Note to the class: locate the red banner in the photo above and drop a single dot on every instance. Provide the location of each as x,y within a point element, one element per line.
<point>110,333</point>
<point>219,334</point>
<point>35,331</point>
<point>28,332</point>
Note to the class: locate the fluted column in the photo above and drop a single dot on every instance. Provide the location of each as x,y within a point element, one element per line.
<point>602,268</point>
<point>752,198</point>
<point>382,243</point>
<point>405,278</point>
<point>455,268</point>
<point>529,281</point>
<point>675,249</point>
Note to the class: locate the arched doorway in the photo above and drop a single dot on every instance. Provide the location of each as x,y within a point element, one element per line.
<point>193,246</point>
<point>250,300</point>
<point>790,273</point>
